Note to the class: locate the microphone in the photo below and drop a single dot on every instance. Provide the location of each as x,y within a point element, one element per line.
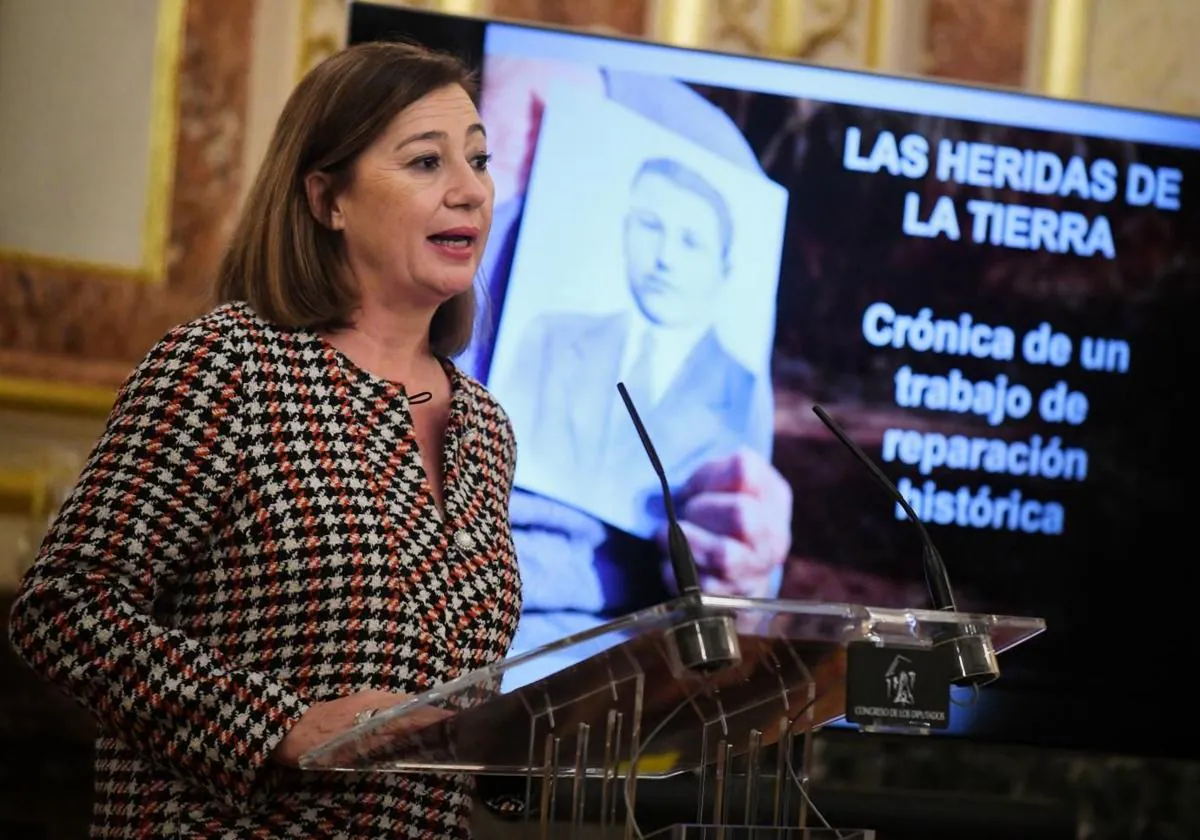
<point>707,641</point>
<point>975,656</point>
<point>683,562</point>
<point>936,578</point>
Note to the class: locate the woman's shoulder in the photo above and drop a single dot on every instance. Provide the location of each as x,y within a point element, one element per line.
<point>232,329</point>
<point>234,319</point>
<point>210,351</point>
<point>491,412</point>
<point>478,392</point>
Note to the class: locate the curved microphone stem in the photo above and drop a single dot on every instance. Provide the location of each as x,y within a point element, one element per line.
<point>707,640</point>
<point>936,577</point>
<point>683,563</point>
<point>974,657</point>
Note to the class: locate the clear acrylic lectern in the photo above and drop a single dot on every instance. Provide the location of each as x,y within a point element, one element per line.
<point>723,691</point>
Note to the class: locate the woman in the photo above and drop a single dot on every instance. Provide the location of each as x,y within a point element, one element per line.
<point>297,514</point>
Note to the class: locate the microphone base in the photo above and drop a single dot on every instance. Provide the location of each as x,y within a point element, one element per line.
<point>704,644</point>
<point>973,660</point>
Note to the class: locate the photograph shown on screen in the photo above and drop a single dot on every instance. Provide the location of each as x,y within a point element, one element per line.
<point>658,269</point>
<point>993,293</point>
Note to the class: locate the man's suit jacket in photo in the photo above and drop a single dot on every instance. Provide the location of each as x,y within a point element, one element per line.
<point>562,394</point>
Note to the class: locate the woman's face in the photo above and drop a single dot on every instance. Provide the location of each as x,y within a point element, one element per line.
<point>417,211</point>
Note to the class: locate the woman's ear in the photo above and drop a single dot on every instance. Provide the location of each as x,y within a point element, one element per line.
<point>322,203</point>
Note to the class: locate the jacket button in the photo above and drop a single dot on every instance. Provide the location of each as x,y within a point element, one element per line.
<point>464,540</point>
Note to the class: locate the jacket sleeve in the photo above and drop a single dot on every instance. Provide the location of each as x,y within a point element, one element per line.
<point>142,510</point>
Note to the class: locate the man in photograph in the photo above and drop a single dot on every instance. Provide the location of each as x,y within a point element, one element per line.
<point>677,235</point>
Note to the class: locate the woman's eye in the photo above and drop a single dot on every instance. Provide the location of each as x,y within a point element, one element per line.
<point>426,162</point>
<point>481,162</point>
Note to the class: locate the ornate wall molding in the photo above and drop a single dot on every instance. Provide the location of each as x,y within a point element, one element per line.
<point>1061,42</point>
<point>322,32</point>
<point>685,23</point>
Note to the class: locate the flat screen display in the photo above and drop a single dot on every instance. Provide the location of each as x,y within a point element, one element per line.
<point>993,292</point>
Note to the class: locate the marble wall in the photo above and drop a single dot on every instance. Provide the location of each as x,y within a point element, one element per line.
<point>979,42</point>
<point>627,17</point>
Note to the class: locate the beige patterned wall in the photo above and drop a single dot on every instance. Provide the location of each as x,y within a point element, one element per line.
<point>1144,54</point>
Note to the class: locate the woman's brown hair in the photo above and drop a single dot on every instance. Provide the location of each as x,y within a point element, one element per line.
<point>281,259</point>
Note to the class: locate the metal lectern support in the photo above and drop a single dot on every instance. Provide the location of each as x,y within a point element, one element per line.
<point>561,721</point>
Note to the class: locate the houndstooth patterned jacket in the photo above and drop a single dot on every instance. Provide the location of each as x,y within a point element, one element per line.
<point>253,533</point>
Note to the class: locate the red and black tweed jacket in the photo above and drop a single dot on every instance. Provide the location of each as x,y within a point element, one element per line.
<point>254,533</point>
